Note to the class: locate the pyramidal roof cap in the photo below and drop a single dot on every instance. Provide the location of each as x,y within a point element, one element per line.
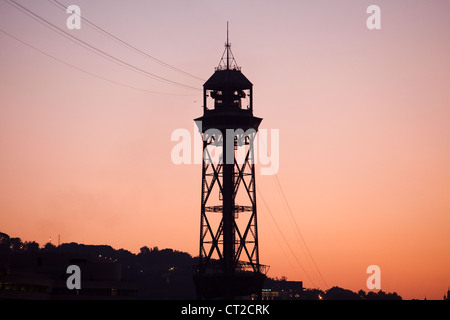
<point>228,73</point>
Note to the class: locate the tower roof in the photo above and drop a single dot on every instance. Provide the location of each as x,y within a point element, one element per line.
<point>227,74</point>
<point>227,78</point>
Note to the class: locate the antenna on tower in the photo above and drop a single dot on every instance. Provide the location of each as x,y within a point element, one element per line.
<point>227,45</point>
<point>227,33</point>
<point>228,62</point>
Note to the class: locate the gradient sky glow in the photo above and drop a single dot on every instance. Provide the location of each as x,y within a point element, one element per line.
<point>364,120</point>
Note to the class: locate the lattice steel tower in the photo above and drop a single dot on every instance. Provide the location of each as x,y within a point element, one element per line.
<point>229,255</point>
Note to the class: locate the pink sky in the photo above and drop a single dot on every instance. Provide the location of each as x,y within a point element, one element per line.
<point>363,117</point>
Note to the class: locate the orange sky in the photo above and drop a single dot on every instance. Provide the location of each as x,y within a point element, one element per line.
<point>363,118</point>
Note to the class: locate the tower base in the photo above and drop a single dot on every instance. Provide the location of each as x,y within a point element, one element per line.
<point>213,286</point>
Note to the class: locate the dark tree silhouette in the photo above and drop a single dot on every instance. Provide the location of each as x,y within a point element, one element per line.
<point>144,250</point>
<point>31,246</point>
<point>49,247</point>
<point>16,244</point>
<point>5,243</point>
<point>160,274</point>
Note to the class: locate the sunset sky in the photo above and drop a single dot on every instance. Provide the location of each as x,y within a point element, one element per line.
<point>363,116</point>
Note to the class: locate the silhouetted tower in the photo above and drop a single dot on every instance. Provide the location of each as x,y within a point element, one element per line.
<point>229,255</point>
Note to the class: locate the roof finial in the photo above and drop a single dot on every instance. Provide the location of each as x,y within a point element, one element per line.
<point>228,50</point>
<point>228,62</point>
<point>227,34</point>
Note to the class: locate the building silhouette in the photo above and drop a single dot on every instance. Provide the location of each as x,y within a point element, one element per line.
<point>42,276</point>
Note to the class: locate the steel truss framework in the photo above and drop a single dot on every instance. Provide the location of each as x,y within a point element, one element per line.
<point>245,255</point>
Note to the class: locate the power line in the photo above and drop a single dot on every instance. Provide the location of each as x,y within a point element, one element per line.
<point>92,48</point>
<point>126,44</point>
<point>82,70</point>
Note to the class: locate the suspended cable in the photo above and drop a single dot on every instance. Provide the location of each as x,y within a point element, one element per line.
<point>298,229</point>
<point>92,48</point>
<point>82,70</point>
<point>126,44</point>
<point>269,223</point>
<point>284,238</point>
<point>292,218</point>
